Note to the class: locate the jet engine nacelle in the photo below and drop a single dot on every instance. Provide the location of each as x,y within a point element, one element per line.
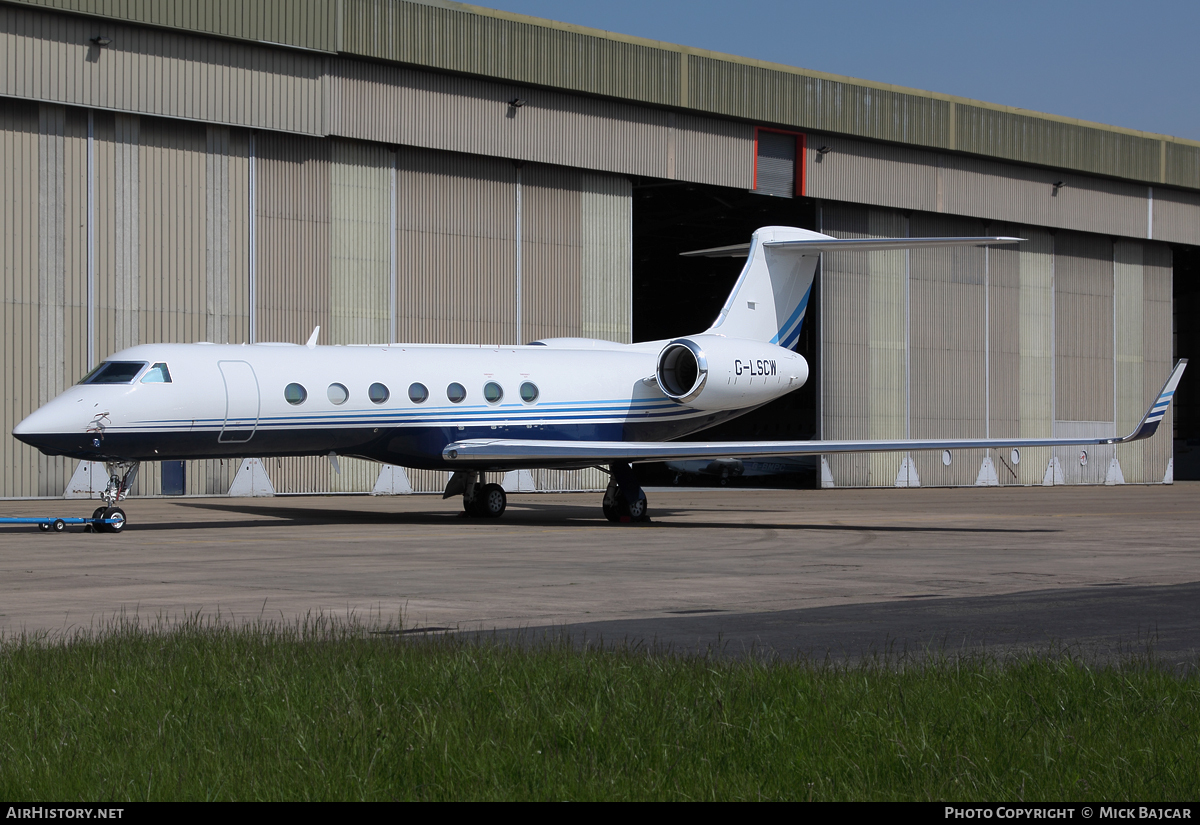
<point>712,372</point>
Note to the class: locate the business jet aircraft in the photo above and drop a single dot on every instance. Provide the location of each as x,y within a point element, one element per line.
<point>559,403</point>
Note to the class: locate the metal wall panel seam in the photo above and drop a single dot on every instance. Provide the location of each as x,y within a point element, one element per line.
<point>252,228</point>
<point>518,219</point>
<point>392,285</point>
<point>91,242</point>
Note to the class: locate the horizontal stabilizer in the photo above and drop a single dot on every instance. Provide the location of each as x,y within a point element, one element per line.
<point>514,452</point>
<point>741,250</point>
<point>737,250</point>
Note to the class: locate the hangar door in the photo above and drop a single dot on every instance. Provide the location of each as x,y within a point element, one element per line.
<point>775,163</point>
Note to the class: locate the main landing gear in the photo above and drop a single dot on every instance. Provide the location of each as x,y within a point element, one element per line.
<point>624,500</point>
<point>121,475</point>
<point>480,500</point>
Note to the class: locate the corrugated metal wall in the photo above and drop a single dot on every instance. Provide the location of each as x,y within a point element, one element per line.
<point>456,244</point>
<point>551,253</point>
<point>361,266</point>
<point>795,99</point>
<point>461,41</point>
<point>1176,216</point>
<point>948,348</point>
<point>1061,335</point>
<point>1181,164</point>
<point>1035,323</point>
<point>606,216</point>
<point>149,71</point>
<point>205,77</point>
<point>1083,328</point>
<point>1128,343</point>
<point>62,288</point>
<point>20,225</point>
<point>48,56</point>
<point>855,354</point>
<point>1157,323</point>
<point>292,217</point>
<point>909,178</point>
<point>1032,139</point>
<point>309,24</point>
<point>447,112</point>
<point>1002,270</point>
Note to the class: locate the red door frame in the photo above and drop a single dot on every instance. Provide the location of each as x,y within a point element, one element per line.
<point>800,184</point>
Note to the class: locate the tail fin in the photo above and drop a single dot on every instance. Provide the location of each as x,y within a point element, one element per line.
<point>770,299</point>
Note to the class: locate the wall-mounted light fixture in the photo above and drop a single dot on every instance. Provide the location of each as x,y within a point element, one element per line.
<point>517,102</point>
<point>101,41</point>
<point>824,150</point>
<point>1058,184</point>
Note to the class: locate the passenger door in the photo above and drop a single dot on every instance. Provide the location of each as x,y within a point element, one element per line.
<point>242,402</point>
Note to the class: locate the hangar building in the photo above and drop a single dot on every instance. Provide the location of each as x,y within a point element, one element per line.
<point>426,171</point>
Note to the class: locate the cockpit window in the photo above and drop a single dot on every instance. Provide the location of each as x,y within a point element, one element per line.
<point>158,374</point>
<point>114,372</point>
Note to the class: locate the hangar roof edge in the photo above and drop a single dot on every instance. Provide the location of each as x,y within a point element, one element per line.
<point>452,36</point>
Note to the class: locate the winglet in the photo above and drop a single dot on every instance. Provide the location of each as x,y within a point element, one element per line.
<point>1149,422</point>
<point>312,339</point>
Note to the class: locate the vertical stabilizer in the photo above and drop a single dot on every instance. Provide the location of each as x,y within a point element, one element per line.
<point>770,299</point>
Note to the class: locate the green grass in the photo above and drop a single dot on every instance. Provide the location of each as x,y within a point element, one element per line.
<point>326,710</point>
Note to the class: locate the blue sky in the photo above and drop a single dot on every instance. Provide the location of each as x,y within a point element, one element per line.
<point>1128,64</point>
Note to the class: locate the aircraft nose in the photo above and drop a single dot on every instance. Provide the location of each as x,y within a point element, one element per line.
<point>45,427</point>
<point>38,423</point>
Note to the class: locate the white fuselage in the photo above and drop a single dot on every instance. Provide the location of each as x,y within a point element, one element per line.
<point>233,400</point>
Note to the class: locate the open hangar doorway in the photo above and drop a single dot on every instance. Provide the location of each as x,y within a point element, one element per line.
<point>674,296</point>
<point>1185,288</point>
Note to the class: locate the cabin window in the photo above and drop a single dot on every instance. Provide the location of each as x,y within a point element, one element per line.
<point>417,393</point>
<point>295,394</point>
<point>493,392</point>
<point>529,392</point>
<point>114,372</point>
<point>338,393</point>
<point>456,392</point>
<point>157,374</point>
<point>378,393</point>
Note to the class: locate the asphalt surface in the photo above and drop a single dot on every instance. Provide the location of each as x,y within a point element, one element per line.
<point>1104,572</point>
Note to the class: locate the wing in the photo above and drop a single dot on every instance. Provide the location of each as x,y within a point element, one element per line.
<point>512,452</point>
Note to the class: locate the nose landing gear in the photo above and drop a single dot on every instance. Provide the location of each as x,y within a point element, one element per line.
<point>121,475</point>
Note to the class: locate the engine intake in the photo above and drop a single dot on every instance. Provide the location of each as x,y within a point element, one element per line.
<point>712,372</point>
<point>682,370</point>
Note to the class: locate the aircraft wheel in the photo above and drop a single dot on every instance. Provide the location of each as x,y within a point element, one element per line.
<point>99,511</point>
<point>473,507</point>
<point>44,527</point>
<point>611,511</point>
<point>118,516</point>
<point>59,525</point>
<point>492,501</point>
<point>635,510</point>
